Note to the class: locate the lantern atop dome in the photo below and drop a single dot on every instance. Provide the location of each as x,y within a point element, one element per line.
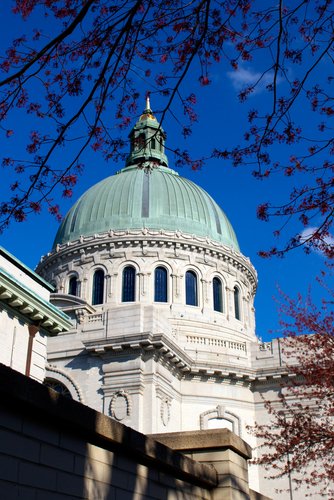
<point>147,140</point>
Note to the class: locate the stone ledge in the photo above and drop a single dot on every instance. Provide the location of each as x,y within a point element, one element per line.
<point>32,398</point>
<point>209,439</point>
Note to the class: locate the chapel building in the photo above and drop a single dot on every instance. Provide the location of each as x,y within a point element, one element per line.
<point>161,297</point>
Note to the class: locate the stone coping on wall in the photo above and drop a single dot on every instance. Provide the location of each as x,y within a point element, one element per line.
<point>32,398</point>
<point>209,439</point>
<point>215,445</point>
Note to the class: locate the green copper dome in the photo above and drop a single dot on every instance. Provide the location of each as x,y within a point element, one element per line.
<point>147,194</point>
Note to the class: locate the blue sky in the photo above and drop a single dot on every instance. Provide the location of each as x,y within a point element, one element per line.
<point>222,122</point>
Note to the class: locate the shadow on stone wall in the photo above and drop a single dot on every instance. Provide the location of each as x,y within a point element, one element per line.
<point>54,448</point>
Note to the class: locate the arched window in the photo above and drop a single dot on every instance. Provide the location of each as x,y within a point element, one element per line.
<point>73,286</point>
<point>236,302</point>
<point>58,387</point>
<point>98,287</point>
<point>129,284</point>
<point>160,284</point>
<point>140,142</point>
<point>161,140</point>
<point>217,294</point>
<point>191,289</point>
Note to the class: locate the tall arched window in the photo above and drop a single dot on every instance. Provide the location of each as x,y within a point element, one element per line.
<point>129,284</point>
<point>217,294</point>
<point>236,302</point>
<point>73,286</point>
<point>191,289</point>
<point>160,284</point>
<point>140,142</point>
<point>98,287</point>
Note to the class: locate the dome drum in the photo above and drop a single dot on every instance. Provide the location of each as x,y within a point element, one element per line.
<point>145,251</point>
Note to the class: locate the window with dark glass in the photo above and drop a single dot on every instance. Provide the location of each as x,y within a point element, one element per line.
<point>129,284</point>
<point>236,302</point>
<point>73,286</point>
<point>160,284</point>
<point>58,387</point>
<point>191,289</point>
<point>140,142</point>
<point>98,287</point>
<point>217,294</point>
<point>153,143</point>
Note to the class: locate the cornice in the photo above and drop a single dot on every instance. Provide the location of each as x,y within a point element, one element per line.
<point>73,303</point>
<point>162,346</point>
<point>273,376</point>
<point>112,241</point>
<point>29,272</point>
<point>29,305</point>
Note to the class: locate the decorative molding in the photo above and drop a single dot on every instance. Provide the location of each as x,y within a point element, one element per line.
<point>152,238</point>
<point>120,405</point>
<point>179,362</point>
<point>166,392</point>
<point>220,413</point>
<point>165,407</point>
<point>31,306</point>
<point>266,346</point>
<point>60,375</point>
<point>217,342</point>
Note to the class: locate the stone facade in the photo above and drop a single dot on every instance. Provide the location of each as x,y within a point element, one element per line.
<point>162,367</point>
<point>26,317</point>
<point>58,449</point>
<point>186,360</point>
<point>156,352</point>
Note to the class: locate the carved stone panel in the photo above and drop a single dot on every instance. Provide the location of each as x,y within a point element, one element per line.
<point>120,406</point>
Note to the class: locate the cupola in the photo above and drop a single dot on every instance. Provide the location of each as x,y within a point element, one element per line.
<point>147,140</point>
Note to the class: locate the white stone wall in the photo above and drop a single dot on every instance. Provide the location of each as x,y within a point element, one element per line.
<point>26,317</point>
<point>162,367</point>
<point>14,337</point>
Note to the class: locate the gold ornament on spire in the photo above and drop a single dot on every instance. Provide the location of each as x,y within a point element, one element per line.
<point>147,113</point>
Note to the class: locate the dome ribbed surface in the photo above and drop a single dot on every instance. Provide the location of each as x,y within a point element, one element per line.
<point>157,199</point>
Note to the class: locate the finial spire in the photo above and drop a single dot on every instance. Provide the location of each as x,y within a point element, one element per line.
<point>148,105</point>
